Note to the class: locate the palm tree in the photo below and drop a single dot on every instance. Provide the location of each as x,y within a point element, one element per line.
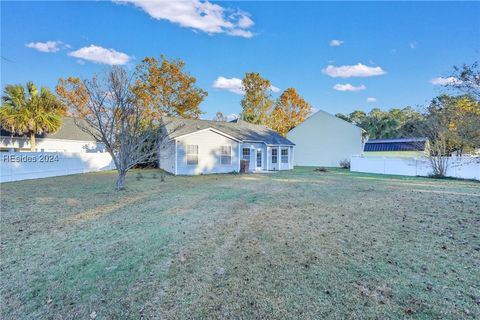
<point>30,113</point>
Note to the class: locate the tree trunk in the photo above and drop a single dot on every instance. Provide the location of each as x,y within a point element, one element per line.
<point>33,145</point>
<point>121,180</point>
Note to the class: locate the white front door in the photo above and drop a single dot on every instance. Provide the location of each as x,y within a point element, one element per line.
<point>258,160</point>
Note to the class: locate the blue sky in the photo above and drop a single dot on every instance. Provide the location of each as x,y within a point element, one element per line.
<point>388,52</point>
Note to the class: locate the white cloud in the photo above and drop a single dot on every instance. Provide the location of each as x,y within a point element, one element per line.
<point>101,55</point>
<point>371,99</point>
<point>198,15</point>
<point>274,89</point>
<point>240,33</point>
<point>336,43</point>
<point>49,46</point>
<point>412,45</point>
<point>440,81</point>
<point>231,116</point>
<point>358,70</point>
<point>349,87</point>
<point>245,22</point>
<point>235,85</point>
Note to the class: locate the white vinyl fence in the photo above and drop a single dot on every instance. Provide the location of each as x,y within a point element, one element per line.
<point>32,165</point>
<point>458,167</point>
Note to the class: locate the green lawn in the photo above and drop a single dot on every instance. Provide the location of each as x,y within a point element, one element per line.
<point>298,244</point>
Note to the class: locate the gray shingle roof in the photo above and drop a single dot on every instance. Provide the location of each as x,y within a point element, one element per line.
<point>68,131</point>
<point>240,130</point>
<point>400,144</point>
<point>417,139</point>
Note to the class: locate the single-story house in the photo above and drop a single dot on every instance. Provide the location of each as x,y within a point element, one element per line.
<point>191,147</point>
<point>402,147</point>
<point>325,140</point>
<point>70,138</point>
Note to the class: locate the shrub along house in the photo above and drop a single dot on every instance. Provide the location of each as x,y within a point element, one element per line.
<point>192,147</point>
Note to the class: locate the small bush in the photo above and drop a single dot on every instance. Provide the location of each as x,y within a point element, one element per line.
<point>154,176</point>
<point>320,169</point>
<point>139,176</point>
<point>345,164</point>
<point>437,176</point>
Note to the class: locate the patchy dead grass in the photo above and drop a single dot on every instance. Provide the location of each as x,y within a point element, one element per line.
<point>104,209</point>
<point>269,246</point>
<point>447,192</point>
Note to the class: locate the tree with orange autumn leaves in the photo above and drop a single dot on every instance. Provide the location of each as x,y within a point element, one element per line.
<point>258,107</point>
<point>161,87</point>
<point>165,89</point>
<point>290,110</point>
<point>257,99</point>
<point>123,110</point>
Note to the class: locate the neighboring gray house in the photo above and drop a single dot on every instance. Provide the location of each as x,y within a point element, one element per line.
<point>192,147</point>
<point>70,138</point>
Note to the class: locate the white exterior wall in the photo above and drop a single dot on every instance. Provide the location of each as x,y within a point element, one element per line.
<point>166,159</point>
<point>458,167</point>
<point>254,146</point>
<point>271,165</point>
<point>209,143</point>
<point>173,159</point>
<point>15,166</point>
<point>279,165</point>
<point>289,165</point>
<point>51,145</point>
<point>325,140</point>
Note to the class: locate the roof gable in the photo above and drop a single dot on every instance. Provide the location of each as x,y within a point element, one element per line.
<point>240,130</point>
<point>207,129</point>
<point>324,114</point>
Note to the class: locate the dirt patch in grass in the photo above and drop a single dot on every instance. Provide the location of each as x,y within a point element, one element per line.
<point>105,209</point>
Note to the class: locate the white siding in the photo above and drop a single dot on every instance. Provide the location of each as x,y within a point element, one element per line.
<point>254,146</point>
<point>51,145</point>
<point>166,159</point>
<point>271,165</point>
<point>289,164</point>
<point>325,140</point>
<point>279,165</point>
<point>15,166</point>
<point>209,147</point>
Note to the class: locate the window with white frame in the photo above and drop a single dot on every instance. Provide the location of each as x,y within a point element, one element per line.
<point>246,153</point>
<point>226,155</point>
<point>192,154</point>
<point>274,155</point>
<point>284,155</point>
